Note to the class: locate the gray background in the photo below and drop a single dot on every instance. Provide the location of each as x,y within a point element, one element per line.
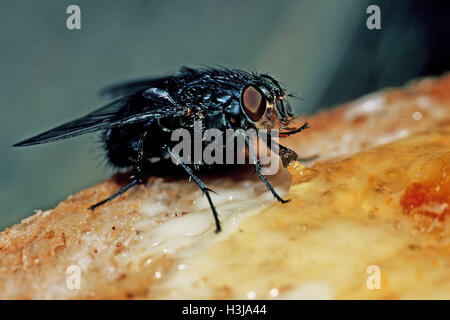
<point>320,50</point>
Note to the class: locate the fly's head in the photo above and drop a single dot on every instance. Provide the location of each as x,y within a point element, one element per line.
<point>264,103</point>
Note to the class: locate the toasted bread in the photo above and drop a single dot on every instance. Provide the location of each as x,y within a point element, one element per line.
<point>369,218</point>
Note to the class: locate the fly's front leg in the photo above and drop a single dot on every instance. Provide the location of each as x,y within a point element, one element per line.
<point>303,127</point>
<point>287,155</point>
<point>258,168</point>
<point>200,184</point>
<point>137,178</point>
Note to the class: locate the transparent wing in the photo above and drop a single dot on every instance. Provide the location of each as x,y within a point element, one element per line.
<point>127,110</point>
<point>127,88</point>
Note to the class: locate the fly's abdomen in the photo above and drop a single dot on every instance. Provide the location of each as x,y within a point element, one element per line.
<point>119,149</point>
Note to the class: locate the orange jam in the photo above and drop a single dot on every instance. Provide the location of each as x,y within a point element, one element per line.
<point>431,196</point>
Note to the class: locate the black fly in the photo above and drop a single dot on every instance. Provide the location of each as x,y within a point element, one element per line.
<point>137,126</point>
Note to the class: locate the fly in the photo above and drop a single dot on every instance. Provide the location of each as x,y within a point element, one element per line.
<point>136,127</point>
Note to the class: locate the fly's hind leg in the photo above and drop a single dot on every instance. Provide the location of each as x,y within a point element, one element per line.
<point>259,173</point>
<point>115,195</point>
<point>137,178</point>
<point>200,184</point>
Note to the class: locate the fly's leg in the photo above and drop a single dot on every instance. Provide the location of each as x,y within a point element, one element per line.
<point>137,178</point>
<point>200,184</point>
<point>259,173</point>
<point>287,155</point>
<point>115,195</point>
<point>303,127</point>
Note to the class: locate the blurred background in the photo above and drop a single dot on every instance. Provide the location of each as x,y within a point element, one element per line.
<point>321,50</point>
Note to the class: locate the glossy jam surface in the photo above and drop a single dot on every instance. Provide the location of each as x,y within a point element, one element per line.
<point>344,218</point>
<point>431,196</point>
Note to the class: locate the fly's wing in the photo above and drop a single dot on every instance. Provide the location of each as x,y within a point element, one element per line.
<point>127,88</point>
<point>127,110</point>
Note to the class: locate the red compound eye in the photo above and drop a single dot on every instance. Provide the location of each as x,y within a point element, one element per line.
<point>253,103</point>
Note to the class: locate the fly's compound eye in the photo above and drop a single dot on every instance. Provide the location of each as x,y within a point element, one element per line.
<point>253,103</point>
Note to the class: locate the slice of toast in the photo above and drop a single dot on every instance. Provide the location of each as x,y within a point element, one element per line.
<point>368,219</point>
